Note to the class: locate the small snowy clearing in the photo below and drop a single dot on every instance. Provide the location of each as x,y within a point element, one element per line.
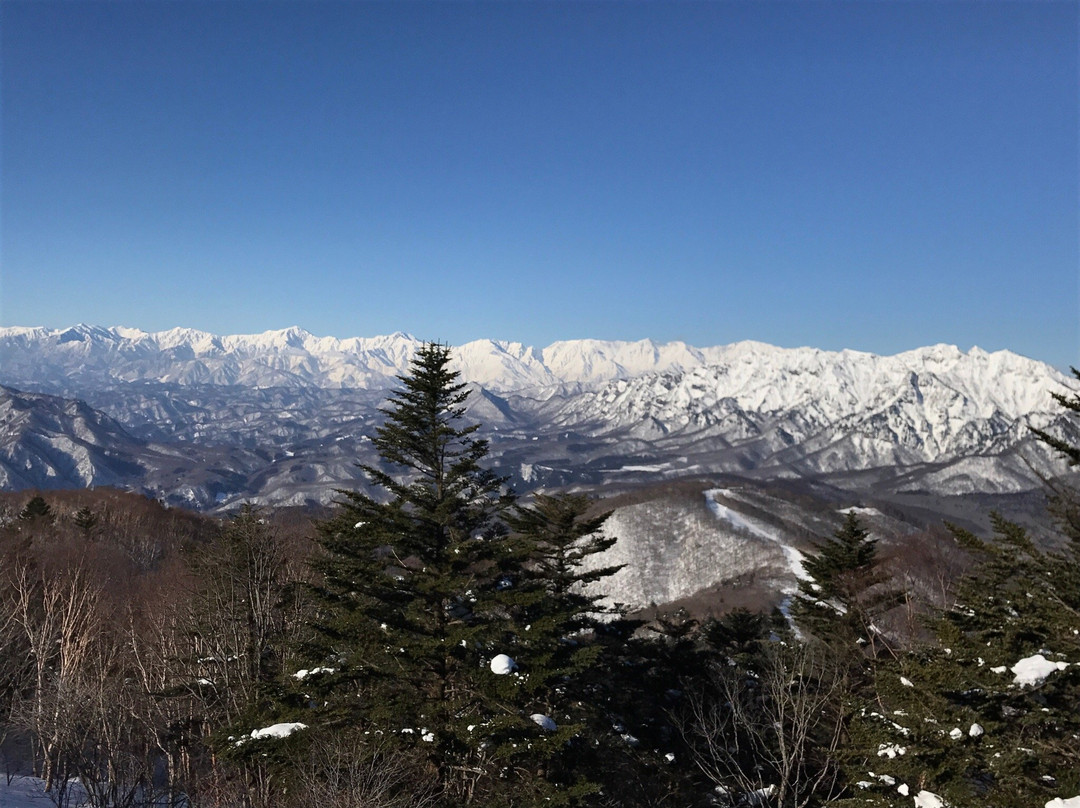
<point>29,792</point>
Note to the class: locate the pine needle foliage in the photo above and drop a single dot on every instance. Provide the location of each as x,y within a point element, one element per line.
<point>86,520</point>
<point>425,586</point>
<point>37,509</point>
<point>969,730</point>
<point>557,617</point>
<point>846,590</point>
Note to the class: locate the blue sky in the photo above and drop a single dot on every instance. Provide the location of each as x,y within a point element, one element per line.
<point>877,175</point>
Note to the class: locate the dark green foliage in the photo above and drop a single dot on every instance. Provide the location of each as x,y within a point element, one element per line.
<point>1019,602</point>
<point>86,520</point>
<point>423,589</point>
<point>37,509</point>
<point>742,635</point>
<point>555,615</point>
<point>841,564</point>
<point>556,620</point>
<point>846,590</point>
<point>636,752</point>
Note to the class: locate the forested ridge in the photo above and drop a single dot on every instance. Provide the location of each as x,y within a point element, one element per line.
<point>441,643</point>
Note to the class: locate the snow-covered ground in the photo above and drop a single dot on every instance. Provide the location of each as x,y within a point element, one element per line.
<point>732,517</point>
<point>29,792</point>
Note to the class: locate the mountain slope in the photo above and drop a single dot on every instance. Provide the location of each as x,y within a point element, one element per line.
<point>47,442</point>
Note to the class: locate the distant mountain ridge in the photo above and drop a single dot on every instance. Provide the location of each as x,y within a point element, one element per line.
<point>283,414</point>
<point>295,357</point>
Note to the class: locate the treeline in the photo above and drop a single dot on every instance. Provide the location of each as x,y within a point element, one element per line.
<point>445,644</point>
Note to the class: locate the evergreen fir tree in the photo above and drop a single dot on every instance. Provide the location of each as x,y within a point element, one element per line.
<point>742,636</point>
<point>413,618</point>
<point>86,520</point>
<point>557,617</point>
<point>554,610</point>
<point>37,509</point>
<point>845,590</point>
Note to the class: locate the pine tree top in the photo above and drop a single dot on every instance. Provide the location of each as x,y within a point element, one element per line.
<point>848,554</point>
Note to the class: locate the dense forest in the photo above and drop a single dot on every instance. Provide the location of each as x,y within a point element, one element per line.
<point>442,644</point>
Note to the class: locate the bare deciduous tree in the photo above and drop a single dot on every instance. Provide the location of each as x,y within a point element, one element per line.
<point>769,734</point>
<point>59,613</point>
<point>350,770</point>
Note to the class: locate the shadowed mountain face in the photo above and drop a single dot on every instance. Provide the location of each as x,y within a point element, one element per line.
<point>49,442</point>
<point>282,417</point>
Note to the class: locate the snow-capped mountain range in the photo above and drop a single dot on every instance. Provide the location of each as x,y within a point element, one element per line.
<point>293,357</point>
<point>294,408</point>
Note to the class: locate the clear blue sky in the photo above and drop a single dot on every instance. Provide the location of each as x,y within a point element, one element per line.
<point>876,175</point>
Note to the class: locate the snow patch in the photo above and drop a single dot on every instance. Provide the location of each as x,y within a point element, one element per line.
<point>283,730</point>
<point>545,722</point>
<point>1033,670</point>
<point>304,673</point>
<point>1071,802</point>
<point>861,511</point>
<point>928,799</point>
<point>501,664</point>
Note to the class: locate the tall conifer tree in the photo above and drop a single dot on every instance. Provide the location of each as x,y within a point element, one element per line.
<point>415,606</point>
<point>845,590</point>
